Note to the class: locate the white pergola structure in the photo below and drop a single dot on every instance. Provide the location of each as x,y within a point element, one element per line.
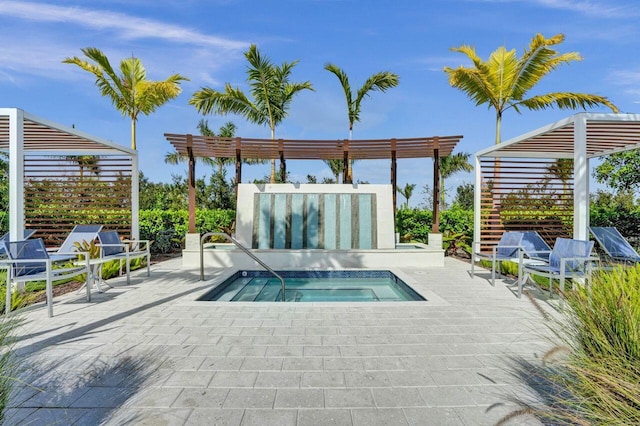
<point>40,150</point>
<point>518,175</point>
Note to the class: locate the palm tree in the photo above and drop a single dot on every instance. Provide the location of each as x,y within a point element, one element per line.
<point>504,80</point>
<point>130,91</point>
<point>406,192</point>
<point>270,88</point>
<point>336,167</point>
<point>381,81</point>
<point>561,169</point>
<point>451,165</point>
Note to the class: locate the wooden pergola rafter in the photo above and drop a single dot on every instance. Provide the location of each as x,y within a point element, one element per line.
<point>193,146</point>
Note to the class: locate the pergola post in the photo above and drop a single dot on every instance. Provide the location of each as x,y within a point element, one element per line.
<point>477,197</point>
<point>283,165</point>
<point>580,179</point>
<point>238,165</point>
<point>435,227</point>
<point>394,178</point>
<point>16,173</point>
<point>345,162</point>
<point>135,198</point>
<point>192,186</point>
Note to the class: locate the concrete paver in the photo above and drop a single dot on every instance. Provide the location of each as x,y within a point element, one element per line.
<point>150,353</point>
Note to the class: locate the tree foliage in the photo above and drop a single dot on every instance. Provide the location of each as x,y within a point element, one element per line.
<point>378,82</point>
<point>271,92</point>
<point>505,80</point>
<point>130,91</point>
<point>620,171</point>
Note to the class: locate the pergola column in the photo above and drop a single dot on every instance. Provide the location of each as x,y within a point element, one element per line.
<point>345,162</point>
<point>192,186</point>
<point>283,164</point>
<point>394,177</point>
<point>135,198</point>
<point>477,197</point>
<point>435,227</point>
<point>238,165</point>
<point>580,179</point>
<point>16,173</point>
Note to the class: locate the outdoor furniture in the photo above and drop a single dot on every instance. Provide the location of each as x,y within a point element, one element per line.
<point>507,248</point>
<point>6,238</point>
<point>568,259</point>
<point>616,247</point>
<point>114,248</point>
<point>79,234</point>
<point>28,260</point>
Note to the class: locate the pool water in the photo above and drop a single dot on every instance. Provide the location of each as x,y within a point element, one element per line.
<point>313,286</point>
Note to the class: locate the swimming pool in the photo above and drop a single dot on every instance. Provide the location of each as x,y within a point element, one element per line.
<point>313,286</point>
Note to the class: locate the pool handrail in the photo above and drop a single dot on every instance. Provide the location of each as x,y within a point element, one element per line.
<point>241,247</point>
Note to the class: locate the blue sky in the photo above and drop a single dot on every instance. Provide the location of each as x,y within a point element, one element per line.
<point>205,41</point>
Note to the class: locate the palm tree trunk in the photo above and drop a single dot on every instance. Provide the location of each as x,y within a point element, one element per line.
<point>272,177</point>
<point>133,134</point>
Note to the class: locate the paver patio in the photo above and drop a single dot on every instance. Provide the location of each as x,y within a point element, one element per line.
<point>149,353</point>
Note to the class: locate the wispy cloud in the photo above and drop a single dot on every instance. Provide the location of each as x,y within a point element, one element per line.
<point>600,9</point>
<point>126,26</point>
<point>629,80</point>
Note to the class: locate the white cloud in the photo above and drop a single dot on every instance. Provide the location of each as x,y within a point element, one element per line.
<point>600,9</point>
<point>125,26</point>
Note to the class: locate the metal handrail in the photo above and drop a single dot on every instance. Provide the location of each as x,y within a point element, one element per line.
<point>241,247</point>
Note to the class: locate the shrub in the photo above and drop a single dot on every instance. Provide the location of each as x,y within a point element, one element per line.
<point>167,228</point>
<point>413,224</point>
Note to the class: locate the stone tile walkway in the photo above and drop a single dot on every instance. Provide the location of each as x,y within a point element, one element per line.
<point>150,354</point>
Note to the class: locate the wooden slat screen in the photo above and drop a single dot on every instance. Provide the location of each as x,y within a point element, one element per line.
<point>61,192</point>
<point>526,195</point>
<point>208,146</point>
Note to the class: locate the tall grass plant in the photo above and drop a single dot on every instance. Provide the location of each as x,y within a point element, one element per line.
<point>593,377</point>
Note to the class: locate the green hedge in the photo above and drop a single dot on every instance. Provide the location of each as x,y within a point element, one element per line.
<point>167,228</point>
<point>456,225</point>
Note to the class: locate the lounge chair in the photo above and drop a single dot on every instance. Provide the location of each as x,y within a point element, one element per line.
<point>616,247</point>
<point>568,259</point>
<point>28,260</point>
<point>506,249</point>
<point>113,248</point>
<point>79,234</point>
<point>28,233</point>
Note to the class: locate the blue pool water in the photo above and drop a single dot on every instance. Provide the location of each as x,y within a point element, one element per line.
<point>313,286</point>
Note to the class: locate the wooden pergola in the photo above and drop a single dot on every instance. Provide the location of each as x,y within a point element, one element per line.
<point>193,146</point>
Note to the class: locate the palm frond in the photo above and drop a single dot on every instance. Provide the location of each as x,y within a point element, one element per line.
<point>567,100</point>
<point>381,81</point>
<point>344,82</point>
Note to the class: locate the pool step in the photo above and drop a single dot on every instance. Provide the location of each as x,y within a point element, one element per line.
<point>232,290</point>
<point>251,290</point>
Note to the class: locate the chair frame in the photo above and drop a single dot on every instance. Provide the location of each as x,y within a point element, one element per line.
<point>140,249</point>
<point>609,254</point>
<point>494,256</point>
<point>526,269</point>
<point>49,275</point>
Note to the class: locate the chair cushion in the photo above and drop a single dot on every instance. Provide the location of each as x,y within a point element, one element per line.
<point>110,237</point>
<point>28,250</point>
<point>508,244</point>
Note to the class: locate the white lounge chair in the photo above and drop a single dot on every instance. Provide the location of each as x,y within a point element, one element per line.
<point>113,248</point>
<point>505,249</point>
<point>568,259</point>
<point>28,260</point>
